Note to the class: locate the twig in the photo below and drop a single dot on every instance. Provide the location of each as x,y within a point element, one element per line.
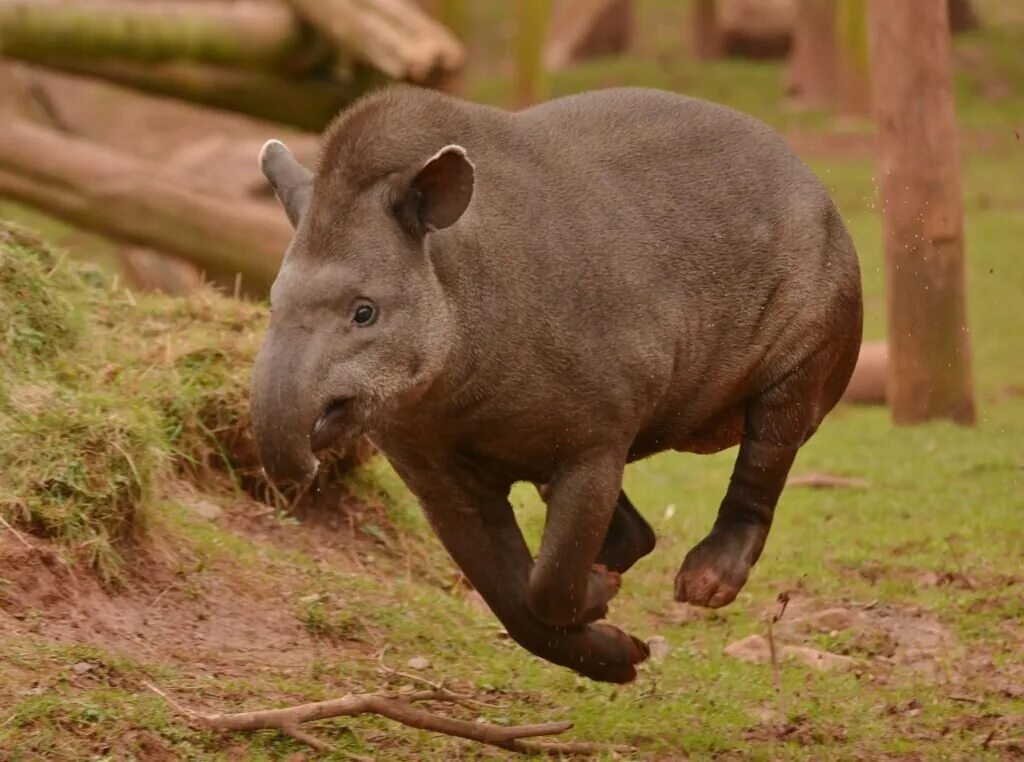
<point>400,709</point>
<point>965,699</point>
<point>1002,743</point>
<point>959,565</point>
<point>825,481</point>
<point>459,698</point>
<point>783,600</point>
<point>16,533</point>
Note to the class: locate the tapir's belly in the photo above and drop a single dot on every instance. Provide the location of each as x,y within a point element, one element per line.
<point>720,432</point>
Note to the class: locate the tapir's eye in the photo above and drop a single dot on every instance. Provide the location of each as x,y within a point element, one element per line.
<point>364,314</point>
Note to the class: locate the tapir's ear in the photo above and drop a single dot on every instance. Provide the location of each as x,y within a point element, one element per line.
<point>292,182</point>
<point>440,191</point>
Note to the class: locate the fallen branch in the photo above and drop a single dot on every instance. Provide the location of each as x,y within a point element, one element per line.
<point>102,189</point>
<point>16,533</point>
<point>251,33</point>
<point>824,481</point>
<point>401,709</point>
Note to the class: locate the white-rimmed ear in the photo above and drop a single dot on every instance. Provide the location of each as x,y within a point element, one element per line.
<point>292,182</point>
<point>440,192</point>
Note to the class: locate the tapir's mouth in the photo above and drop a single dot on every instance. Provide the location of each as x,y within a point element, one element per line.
<point>337,417</point>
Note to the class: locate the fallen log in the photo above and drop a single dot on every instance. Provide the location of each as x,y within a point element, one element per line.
<point>249,33</point>
<point>867,386</point>
<point>101,189</point>
<point>394,36</point>
<point>308,104</point>
<point>581,29</point>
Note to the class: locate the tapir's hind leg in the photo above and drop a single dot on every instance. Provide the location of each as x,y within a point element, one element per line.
<point>777,422</point>
<point>629,539</point>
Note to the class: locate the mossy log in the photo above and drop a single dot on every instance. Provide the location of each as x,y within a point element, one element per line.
<point>101,189</point>
<point>246,34</point>
<point>308,104</point>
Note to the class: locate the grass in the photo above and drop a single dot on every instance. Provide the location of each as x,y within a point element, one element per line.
<point>937,538</point>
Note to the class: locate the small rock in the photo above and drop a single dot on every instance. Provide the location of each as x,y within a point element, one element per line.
<point>827,620</point>
<point>658,647</point>
<point>820,660</point>
<point>752,649</point>
<point>418,662</point>
<point>755,649</point>
<point>204,509</point>
<point>82,667</point>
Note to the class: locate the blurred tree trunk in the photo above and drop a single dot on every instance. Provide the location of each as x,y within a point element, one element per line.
<point>530,81</point>
<point>813,65</point>
<point>919,171</point>
<point>582,29</point>
<point>454,14</point>
<point>705,34</point>
<point>104,190</point>
<point>963,16</point>
<point>251,34</point>
<point>853,85</point>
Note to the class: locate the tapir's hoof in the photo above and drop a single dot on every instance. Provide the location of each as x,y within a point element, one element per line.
<point>602,586</point>
<point>612,655</point>
<point>715,571</point>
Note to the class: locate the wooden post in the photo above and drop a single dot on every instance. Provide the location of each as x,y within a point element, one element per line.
<point>531,30</point>
<point>922,208</point>
<point>811,75</point>
<point>705,35</point>
<point>853,87</point>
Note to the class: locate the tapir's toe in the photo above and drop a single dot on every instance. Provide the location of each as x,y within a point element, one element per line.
<point>714,572</point>
<point>612,654</point>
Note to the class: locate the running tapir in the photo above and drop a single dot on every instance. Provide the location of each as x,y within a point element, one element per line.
<point>546,296</point>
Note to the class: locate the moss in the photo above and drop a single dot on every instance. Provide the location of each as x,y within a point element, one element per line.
<point>104,394</point>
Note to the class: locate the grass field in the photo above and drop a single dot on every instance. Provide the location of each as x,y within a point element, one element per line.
<point>920,569</point>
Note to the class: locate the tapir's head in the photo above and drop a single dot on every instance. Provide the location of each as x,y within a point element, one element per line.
<point>360,323</point>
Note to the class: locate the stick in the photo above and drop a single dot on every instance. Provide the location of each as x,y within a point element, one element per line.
<point>287,720</point>
<point>783,600</point>
<point>16,533</point>
<point>959,564</point>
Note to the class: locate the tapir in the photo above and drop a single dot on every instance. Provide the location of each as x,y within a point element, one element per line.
<point>545,296</point>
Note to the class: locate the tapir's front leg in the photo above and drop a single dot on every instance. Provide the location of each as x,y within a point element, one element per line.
<point>477,526</point>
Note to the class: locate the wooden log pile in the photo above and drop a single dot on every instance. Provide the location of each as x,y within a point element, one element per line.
<point>295,63</point>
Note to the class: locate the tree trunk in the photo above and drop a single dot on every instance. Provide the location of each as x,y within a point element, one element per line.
<point>454,15</point>
<point>705,35</point>
<point>582,29</point>
<point>103,190</point>
<point>813,65</point>
<point>853,82</point>
<point>530,81</point>
<point>395,36</point>
<point>249,34</point>
<point>308,104</point>
<point>919,171</point>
